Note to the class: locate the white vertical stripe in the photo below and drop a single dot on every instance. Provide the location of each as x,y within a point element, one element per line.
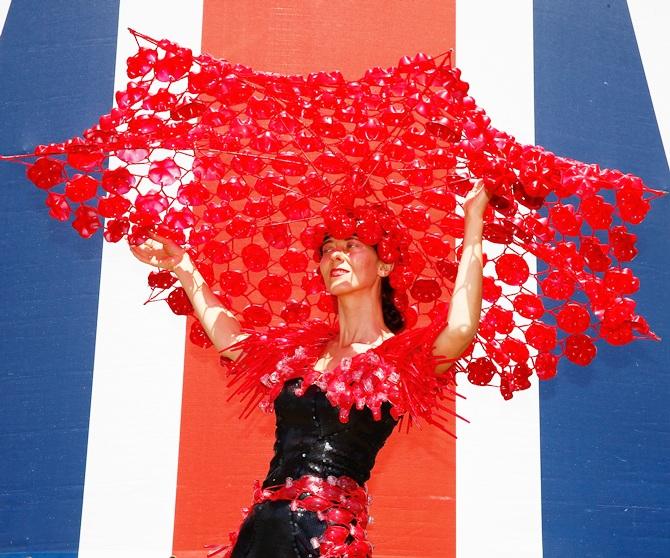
<point>650,21</point>
<point>131,468</point>
<point>4,10</point>
<point>498,499</point>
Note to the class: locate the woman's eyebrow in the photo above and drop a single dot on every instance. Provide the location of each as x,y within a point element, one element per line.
<point>331,239</point>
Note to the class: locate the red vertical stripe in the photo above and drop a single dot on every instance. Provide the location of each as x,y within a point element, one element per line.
<point>414,482</point>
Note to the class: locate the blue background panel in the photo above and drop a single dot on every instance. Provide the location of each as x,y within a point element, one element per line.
<point>57,71</point>
<point>605,489</point>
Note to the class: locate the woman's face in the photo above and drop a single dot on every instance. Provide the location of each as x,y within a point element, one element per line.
<point>348,265</point>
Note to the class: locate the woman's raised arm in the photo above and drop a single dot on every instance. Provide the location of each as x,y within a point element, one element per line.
<point>220,324</point>
<point>466,301</point>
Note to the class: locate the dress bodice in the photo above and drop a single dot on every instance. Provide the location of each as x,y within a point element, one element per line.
<point>310,438</point>
<point>339,418</point>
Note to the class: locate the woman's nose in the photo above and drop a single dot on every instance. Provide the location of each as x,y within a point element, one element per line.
<point>337,255</point>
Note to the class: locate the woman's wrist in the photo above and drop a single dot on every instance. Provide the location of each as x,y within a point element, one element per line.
<point>185,266</point>
<point>474,216</point>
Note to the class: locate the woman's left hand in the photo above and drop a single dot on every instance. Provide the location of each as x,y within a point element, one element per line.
<point>476,200</point>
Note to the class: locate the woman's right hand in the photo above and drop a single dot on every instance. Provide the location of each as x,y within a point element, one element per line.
<point>219,323</point>
<point>160,252</point>
<point>477,200</point>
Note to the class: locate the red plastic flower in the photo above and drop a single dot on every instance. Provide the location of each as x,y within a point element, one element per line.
<point>164,172</point>
<point>59,208</point>
<point>45,173</point>
<point>86,221</point>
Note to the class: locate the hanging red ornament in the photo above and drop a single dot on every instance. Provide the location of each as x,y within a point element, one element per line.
<point>579,348</point>
<point>512,269</point>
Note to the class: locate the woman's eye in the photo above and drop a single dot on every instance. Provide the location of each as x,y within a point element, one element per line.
<point>350,244</point>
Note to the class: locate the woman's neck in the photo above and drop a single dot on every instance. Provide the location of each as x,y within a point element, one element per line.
<point>360,318</point>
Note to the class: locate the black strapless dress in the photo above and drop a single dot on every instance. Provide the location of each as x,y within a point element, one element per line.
<point>310,440</point>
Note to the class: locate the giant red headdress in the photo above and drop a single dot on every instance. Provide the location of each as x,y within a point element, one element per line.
<point>248,169</point>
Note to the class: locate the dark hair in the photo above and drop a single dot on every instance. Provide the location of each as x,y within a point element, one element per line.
<point>392,316</point>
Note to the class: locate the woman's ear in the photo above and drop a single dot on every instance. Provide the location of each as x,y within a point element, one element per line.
<point>385,269</point>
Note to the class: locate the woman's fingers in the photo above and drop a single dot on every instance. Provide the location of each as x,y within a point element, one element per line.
<point>145,247</point>
<point>169,246</point>
<point>479,190</point>
<point>140,253</point>
<point>155,236</point>
<point>148,252</point>
<point>155,241</point>
<point>477,187</point>
<point>161,239</point>
<point>157,251</point>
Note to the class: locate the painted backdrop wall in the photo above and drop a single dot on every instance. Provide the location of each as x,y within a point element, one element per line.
<point>114,434</point>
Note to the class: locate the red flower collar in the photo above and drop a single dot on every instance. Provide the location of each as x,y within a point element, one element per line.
<point>400,370</point>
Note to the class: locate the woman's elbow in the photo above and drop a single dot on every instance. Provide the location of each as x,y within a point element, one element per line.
<point>452,345</point>
<point>465,331</point>
<point>456,336</point>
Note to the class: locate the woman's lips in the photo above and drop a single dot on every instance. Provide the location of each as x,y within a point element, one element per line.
<point>338,272</point>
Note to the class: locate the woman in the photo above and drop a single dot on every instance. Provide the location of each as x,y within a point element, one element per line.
<point>301,519</point>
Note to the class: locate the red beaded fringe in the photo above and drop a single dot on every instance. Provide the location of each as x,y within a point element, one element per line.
<point>340,501</point>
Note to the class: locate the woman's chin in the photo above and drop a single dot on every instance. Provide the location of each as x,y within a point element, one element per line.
<point>340,288</point>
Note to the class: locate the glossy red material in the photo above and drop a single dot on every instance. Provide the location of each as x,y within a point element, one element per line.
<point>339,501</point>
<point>400,370</point>
<point>259,166</point>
